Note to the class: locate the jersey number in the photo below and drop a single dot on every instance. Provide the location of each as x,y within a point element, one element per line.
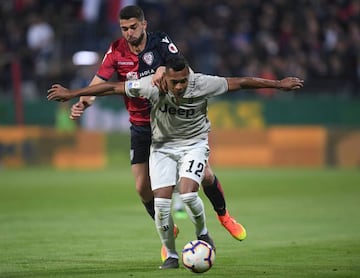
<point>198,171</point>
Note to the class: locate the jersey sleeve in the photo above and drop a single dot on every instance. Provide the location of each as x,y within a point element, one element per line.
<point>142,88</point>
<point>166,47</point>
<point>212,85</point>
<point>107,67</point>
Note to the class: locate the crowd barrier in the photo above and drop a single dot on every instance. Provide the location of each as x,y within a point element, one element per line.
<point>277,146</point>
<point>28,146</point>
<point>284,146</point>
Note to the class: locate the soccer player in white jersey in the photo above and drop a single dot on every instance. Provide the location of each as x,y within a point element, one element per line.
<point>180,128</point>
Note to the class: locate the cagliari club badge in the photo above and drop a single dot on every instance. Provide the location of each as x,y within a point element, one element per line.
<point>148,58</point>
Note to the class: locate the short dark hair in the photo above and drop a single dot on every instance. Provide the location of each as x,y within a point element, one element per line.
<point>177,63</point>
<point>132,11</point>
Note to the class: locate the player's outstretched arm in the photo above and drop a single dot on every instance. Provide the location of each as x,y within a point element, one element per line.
<point>288,83</point>
<point>59,93</point>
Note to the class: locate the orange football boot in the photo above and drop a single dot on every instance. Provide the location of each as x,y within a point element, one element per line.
<point>235,229</point>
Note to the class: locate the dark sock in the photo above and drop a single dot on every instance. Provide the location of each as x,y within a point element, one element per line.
<point>150,208</point>
<point>216,196</point>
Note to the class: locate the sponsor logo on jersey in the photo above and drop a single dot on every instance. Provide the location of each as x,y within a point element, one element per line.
<point>172,48</point>
<point>148,58</point>
<point>187,113</point>
<point>146,72</point>
<point>126,63</point>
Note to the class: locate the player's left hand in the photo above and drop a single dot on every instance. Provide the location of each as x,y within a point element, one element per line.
<point>59,93</point>
<point>291,83</point>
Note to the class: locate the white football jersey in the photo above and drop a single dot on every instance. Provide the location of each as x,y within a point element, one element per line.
<point>180,121</point>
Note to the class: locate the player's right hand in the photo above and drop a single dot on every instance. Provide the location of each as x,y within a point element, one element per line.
<point>59,93</point>
<point>162,85</point>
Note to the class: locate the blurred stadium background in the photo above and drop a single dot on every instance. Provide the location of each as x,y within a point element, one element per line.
<point>318,41</point>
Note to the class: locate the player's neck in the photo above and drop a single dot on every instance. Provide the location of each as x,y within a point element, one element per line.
<point>136,49</point>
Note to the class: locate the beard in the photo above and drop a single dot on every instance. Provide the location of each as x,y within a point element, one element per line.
<point>137,41</point>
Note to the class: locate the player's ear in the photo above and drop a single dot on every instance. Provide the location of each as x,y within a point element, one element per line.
<point>144,23</point>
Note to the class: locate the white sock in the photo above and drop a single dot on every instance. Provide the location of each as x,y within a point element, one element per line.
<point>177,202</point>
<point>191,216</point>
<point>195,205</point>
<point>165,225</point>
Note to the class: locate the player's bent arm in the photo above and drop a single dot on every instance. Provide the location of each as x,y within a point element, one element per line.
<point>89,100</point>
<point>288,83</point>
<point>78,108</point>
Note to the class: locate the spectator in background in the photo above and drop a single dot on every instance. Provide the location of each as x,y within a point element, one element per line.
<point>5,68</point>
<point>40,40</point>
<point>90,15</point>
<point>317,40</point>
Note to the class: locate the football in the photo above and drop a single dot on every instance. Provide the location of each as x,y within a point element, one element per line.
<point>198,256</point>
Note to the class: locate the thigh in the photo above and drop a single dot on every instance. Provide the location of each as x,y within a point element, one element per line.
<point>163,169</point>
<point>193,162</point>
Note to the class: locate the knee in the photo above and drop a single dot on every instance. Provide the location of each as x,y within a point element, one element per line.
<point>209,177</point>
<point>162,204</point>
<point>189,197</point>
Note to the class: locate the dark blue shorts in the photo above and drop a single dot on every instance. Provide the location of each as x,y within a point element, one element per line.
<point>140,144</point>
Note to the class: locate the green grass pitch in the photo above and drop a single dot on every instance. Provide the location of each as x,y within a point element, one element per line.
<point>300,223</point>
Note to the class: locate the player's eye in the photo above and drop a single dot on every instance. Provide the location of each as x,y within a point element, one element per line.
<point>182,81</point>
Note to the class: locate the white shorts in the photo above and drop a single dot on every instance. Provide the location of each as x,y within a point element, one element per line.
<point>169,164</point>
